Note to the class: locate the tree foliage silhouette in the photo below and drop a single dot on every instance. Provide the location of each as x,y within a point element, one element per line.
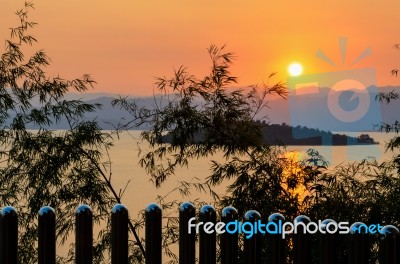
<point>394,143</point>
<point>41,167</point>
<point>198,117</point>
<point>203,111</point>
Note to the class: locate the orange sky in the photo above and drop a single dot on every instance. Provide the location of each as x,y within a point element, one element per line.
<point>126,44</point>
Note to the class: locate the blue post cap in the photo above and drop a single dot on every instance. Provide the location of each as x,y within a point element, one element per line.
<point>229,212</point>
<point>325,225</point>
<point>358,228</point>
<point>153,207</point>
<point>302,219</point>
<point>186,206</point>
<point>207,209</point>
<point>252,215</point>
<point>46,210</point>
<point>119,208</point>
<point>8,210</point>
<point>275,217</point>
<point>389,230</point>
<point>83,208</point>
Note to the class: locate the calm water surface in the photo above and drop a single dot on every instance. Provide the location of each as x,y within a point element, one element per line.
<point>141,191</point>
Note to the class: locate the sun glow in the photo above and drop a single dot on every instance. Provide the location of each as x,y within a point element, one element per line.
<point>295,69</point>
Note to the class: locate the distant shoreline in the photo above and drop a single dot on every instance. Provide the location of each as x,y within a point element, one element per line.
<point>284,134</point>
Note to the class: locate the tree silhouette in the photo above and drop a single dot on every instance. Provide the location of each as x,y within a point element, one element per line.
<point>199,117</point>
<point>39,167</point>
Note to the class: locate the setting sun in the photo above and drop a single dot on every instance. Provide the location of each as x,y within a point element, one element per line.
<point>295,69</point>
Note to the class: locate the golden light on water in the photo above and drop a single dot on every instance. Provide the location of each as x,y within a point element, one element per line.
<point>293,170</point>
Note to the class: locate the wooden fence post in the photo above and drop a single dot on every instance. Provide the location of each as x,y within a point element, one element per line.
<point>207,241</point>
<point>47,235</point>
<point>252,245</point>
<point>359,248</point>
<point>187,242</point>
<point>119,234</point>
<point>229,242</point>
<point>328,243</point>
<point>389,244</point>
<point>277,242</point>
<point>302,240</point>
<point>83,235</point>
<point>153,234</point>
<point>8,235</point>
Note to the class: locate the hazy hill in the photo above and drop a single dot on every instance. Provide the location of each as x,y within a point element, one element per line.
<point>308,110</point>
<point>311,110</point>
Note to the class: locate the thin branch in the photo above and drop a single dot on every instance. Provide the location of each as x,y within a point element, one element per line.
<point>117,198</point>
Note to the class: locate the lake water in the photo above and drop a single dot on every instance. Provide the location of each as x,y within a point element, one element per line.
<point>141,191</point>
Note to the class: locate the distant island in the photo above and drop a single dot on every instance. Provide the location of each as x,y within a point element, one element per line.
<point>283,134</point>
<point>275,134</point>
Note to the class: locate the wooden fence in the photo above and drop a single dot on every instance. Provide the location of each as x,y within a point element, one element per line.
<point>389,247</point>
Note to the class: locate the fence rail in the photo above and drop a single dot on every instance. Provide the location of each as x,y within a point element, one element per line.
<point>389,248</point>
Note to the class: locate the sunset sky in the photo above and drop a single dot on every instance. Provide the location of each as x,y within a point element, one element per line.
<point>125,44</point>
